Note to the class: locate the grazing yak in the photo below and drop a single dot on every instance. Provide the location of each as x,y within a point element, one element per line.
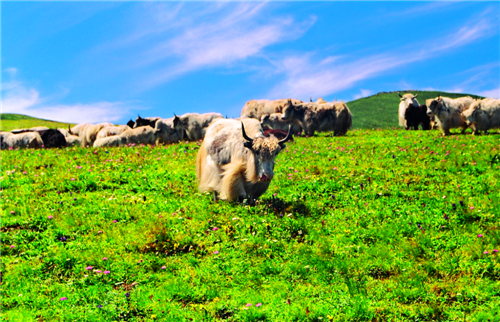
<point>143,134</point>
<point>275,121</point>
<point>255,109</point>
<point>407,100</point>
<point>330,117</point>
<point>23,140</point>
<point>195,124</point>
<point>151,121</point>
<point>114,140</point>
<point>415,116</point>
<point>89,133</point>
<point>448,112</point>
<point>52,138</point>
<point>111,131</point>
<point>483,115</point>
<point>165,132</point>
<point>236,160</point>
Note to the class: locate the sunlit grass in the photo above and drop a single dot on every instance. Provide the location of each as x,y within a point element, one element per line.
<point>384,225</point>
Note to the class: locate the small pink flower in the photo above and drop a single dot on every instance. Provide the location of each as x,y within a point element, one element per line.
<point>105,259</point>
<point>98,271</point>
<point>486,252</point>
<point>106,272</point>
<point>129,169</point>
<point>63,298</point>
<point>88,268</point>
<point>471,208</point>
<point>215,228</point>
<point>72,179</point>
<point>50,217</point>
<point>249,304</point>
<point>99,232</point>
<point>216,252</point>
<point>12,212</point>
<point>258,304</point>
<point>480,236</point>
<point>164,267</point>
<point>115,221</point>
<point>12,246</point>
<point>495,251</point>
<point>138,170</point>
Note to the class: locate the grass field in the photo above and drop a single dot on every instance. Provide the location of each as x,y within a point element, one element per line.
<point>11,121</point>
<point>383,225</point>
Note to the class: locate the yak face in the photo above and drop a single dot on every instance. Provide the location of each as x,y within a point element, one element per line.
<point>471,113</point>
<point>180,123</point>
<point>291,111</point>
<point>264,151</point>
<point>131,124</point>
<point>409,100</point>
<point>435,106</point>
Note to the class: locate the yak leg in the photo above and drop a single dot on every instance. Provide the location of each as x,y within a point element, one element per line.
<point>215,196</point>
<point>232,186</point>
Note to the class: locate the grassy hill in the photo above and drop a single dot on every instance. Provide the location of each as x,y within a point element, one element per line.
<point>381,110</point>
<point>11,121</point>
<point>376,111</point>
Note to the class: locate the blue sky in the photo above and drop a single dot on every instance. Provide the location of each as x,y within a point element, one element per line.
<point>109,61</point>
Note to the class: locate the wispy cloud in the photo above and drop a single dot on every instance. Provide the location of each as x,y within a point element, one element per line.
<point>492,93</point>
<point>307,75</point>
<point>182,38</point>
<point>21,99</point>
<point>363,93</point>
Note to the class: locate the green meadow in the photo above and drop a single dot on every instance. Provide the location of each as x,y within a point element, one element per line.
<point>379,225</point>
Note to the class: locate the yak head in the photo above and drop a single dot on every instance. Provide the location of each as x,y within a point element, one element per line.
<point>131,124</point>
<point>435,106</point>
<point>291,111</point>
<point>409,100</point>
<point>265,150</point>
<point>472,113</point>
<point>180,123</point>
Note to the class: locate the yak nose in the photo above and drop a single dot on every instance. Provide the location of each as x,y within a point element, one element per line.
<point>265,178</point>
<point>429,113</point>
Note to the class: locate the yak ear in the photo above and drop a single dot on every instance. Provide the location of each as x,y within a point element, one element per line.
<point>415,96</point>
<point>400,95</point>
<point>247,144</point>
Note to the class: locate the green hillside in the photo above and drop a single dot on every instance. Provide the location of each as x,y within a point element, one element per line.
<point>381,110</point>
<point>11,121</point>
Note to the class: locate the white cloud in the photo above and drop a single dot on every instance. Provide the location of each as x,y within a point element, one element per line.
<point>20,99</point>
<point>305,75</point>
<point>492,93</point>
<point>363,93</point>
<point>11,71</point>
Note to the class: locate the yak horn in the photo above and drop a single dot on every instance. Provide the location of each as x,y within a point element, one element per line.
<point>415,96</point>
<point>288,136</point>
<point>400,95</point>
<point>245,136</point>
